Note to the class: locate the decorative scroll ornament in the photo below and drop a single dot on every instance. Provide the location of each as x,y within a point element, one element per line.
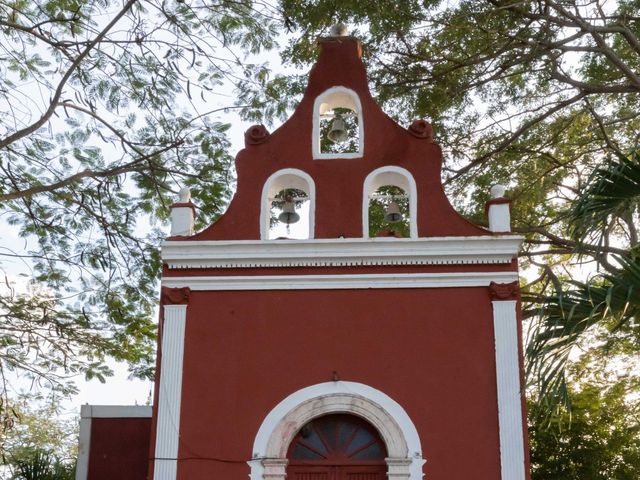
<point>504,291</point>
<point>421,129</point>
<point>175,296</point>
<point>256,135</point>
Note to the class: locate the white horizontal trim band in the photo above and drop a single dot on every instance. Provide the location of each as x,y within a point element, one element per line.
<point>342,282</point>
<point>115,411</point>
<point>499,249</point>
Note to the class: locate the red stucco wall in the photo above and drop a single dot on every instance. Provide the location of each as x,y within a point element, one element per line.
<point>339,182</point>
<point>119,448</point>
<point>430,350</point>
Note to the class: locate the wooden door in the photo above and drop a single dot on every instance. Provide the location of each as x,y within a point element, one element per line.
<point>337,447</point>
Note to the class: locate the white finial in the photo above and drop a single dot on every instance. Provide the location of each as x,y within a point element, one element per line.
<point>185,195</point>
<point>497,191</point>
<point>182,214</point>
<point>339,30</point>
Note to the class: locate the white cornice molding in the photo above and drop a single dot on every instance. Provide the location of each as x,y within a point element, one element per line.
<point>341,282</point>
<point>183,254</point>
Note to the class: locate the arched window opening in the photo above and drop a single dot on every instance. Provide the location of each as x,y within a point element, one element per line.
<point>338,129</point>
<point>288,206</point>
<point>389,212</point>
<point>343,445</point>
<point>389,205</point>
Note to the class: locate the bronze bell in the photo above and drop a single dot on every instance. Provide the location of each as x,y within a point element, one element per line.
<point>392,213</point>
<point>288,214</point>
<point>338,131</point>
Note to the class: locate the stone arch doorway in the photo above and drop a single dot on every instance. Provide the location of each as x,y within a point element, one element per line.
<point>337,447</point>
<point>279,428</point>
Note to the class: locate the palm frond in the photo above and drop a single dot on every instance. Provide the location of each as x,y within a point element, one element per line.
<point>611,300</point>
<point>612,191</point>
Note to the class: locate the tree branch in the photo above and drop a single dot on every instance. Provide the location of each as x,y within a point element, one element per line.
<point>129,167</point>
<point>513,137</point>
<point>58,93</point>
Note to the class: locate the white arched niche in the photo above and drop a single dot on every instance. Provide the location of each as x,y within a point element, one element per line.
<point>336,97</point>
<point>398,177</point>
<point>287,178</point>
<point>269,456</point>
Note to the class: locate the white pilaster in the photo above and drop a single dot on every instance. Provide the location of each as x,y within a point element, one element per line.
<point>509,390</point>
<point>84,443</point>
<point>168,426</point>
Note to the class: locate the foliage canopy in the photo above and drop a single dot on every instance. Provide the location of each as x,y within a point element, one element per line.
<point>108,107</point>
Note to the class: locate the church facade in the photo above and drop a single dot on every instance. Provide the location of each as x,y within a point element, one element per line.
<point>384,342</point>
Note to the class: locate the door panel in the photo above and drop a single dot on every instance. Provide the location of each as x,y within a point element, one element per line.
<point>337,447</point>
<point>365,475</point>
<point>339,472</point>
<point>310,476</point>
